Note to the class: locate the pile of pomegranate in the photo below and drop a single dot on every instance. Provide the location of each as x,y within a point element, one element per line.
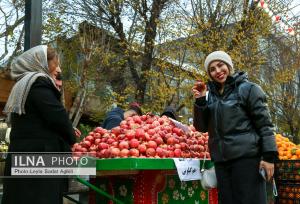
<point>144,136</point>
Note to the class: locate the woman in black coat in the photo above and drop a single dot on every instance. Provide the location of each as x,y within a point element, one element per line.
<point>241,138</point>
<point>39,123</point>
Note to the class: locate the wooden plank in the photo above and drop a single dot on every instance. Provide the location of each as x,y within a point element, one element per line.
<point>5,88</point>
<point>7,84</point>
<point>1,109</point>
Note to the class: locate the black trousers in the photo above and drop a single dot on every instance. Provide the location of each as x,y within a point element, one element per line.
<point>239,182</point>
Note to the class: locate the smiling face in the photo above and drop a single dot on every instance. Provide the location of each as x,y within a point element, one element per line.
<point>219,71</point>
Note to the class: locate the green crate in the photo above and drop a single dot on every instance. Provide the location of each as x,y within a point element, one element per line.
<point>139,164</point>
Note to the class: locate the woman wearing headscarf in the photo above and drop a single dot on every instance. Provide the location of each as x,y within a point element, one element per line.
<point>241,140</point>
<point>39,123</point>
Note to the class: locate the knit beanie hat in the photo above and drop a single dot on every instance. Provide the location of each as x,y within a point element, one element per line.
<point>218,55</point>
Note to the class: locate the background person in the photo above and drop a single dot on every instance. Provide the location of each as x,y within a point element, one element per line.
<point>241,138</point>
<point>116,115</point>
<point>39,123</point>
<point>59,83</point>
<point>170,112</point>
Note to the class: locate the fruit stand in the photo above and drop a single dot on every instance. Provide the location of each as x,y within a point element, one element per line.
<point>135,162</point>
<point>287,171</point>
<point>143,181</point>
<point>287,174</point>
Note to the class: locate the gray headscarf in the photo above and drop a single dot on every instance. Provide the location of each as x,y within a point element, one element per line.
<point>25,69</point>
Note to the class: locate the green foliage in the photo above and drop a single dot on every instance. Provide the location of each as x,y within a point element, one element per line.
<point>185,35</point>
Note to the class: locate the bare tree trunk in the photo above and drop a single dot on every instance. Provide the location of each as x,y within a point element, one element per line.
<point>87,41</point>
<point>80,108</point>
<point>75,104</point>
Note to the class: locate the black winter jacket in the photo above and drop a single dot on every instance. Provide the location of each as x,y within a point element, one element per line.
<point>238,121</point>
<point>44,128</point>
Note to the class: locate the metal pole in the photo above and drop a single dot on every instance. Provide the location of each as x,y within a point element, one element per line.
<point>33,23</point>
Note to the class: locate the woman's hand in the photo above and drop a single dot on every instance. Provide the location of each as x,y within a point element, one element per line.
<point>77,132</point>
<point>269,169</point>
<point>199,89</point>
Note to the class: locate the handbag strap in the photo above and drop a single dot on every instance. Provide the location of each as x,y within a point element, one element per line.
<point>275,193</point>
<point>206,98</point>
<point>202,168</point>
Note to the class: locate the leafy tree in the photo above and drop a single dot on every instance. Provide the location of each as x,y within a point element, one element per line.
<point>153,50</point>
<point>143,16</point>
<point>11,29</point>
<point>282,84</point>
<point>206,26</point>
<point>246,33</point>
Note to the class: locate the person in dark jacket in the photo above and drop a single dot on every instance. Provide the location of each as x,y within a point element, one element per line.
<point>170,112</point>
<point>241,139</point>
<point>116,115</point>
<point>39,123</point>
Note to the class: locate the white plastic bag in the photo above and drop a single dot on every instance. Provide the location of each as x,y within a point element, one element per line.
<point>209,178</point>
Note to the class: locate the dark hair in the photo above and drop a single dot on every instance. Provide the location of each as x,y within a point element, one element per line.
<point>135,107</point>
<point>170,112</point>
<point>51,54</point>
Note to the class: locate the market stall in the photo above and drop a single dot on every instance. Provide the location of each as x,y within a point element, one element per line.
<point>143,181</point>
<point>140,162</point>
<point>287,171</point>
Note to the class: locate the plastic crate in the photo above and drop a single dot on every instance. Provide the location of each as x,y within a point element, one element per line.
<point>287,171</point>
<point>288,194</point>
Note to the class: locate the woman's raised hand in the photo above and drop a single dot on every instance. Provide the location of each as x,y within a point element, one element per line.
<point>199,89</point>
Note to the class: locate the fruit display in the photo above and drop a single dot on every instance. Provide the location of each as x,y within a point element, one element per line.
<point>287,171</point>
<point>145,136</point>
<point>286,149</point>
<point>289,194</point>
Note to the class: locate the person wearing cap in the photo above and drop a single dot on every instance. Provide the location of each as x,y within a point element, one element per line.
<point>116,115</point>
<point>241,139</point>
<point>170,112</point>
